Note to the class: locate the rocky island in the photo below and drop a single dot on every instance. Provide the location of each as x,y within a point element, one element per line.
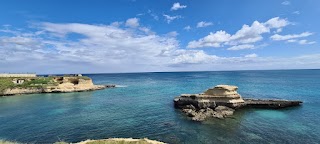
<point>221,101</point>
<point>12,84</point>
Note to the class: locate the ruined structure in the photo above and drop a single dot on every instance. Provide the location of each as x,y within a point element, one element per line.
<point>18,81</point>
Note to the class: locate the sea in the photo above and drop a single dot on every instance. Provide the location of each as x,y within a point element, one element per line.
<point>141,106</point>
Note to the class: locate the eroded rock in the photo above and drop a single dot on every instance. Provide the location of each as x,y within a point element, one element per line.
<point>203,114</point>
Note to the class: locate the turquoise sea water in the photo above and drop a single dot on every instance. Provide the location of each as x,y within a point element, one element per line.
<point>143,107</point>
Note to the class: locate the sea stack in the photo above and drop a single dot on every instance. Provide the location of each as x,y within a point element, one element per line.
<point>220,95</point>
<point>221,101</point>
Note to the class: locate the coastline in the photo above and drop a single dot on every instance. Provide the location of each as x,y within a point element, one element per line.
<point>51,84</point>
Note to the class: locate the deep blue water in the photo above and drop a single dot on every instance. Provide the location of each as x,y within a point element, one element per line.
<point>143,107</point>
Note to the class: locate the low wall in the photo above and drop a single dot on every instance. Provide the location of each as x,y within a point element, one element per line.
<point>17,75</point>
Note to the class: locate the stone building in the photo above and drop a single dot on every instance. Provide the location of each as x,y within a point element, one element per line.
<point>18,81</point>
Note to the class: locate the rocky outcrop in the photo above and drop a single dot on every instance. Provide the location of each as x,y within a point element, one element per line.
<point>221,101</point>
<point>62,85</point>
<point>121,140</point>
<point>202,114</point>
<point>220,95</point>
<point>270,104</point>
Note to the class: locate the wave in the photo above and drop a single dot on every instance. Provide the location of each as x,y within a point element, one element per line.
<point>121,86</point>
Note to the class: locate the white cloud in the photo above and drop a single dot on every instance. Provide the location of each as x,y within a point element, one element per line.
<point>296,12</point>
<point>241,47</point>
<point>169,18</point>
<point>291,40</point>
<point>116,24</point>
<point>51,47</point>
<point>132,22</point>
<point>96,46</point>
<point>172,34</point>
<point>192,57</point>
<point>286,3</point>
<point>187,28</point>
<point>276,23</point>
<point>303,42</point>
<point>278,37</point>
<point>245,37</point>
<point>249,34</point>
<point>279,30</point>
<point>212,40</point>
<point>203,24</point>
<point>177,6</point>
<point>146,30</point>
<point>251,55</point>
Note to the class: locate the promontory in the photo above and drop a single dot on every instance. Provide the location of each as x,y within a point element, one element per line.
<point>221,101</point>
<point>12,84</point>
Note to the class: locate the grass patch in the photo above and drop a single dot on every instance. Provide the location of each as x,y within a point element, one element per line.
<point>38,82</point>
<point>83,77</point>
<point>6,83</point>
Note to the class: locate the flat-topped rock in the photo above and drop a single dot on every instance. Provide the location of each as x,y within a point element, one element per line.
<point>220,101</point>
<point>272,104</point>
<point>220,95</point>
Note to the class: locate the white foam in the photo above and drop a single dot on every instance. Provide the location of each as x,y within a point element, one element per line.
<point>121,86</point>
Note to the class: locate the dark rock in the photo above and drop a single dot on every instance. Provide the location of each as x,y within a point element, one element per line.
<point>224,110</point>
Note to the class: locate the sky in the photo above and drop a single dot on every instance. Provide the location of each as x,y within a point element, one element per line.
<point>98,36</point>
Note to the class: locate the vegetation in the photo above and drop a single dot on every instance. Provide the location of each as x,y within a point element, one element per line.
<point>5,83</point>
<point>84,77</point>
<point>37,82</point>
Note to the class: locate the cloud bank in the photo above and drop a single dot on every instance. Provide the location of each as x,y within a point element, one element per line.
<point>128,46</point>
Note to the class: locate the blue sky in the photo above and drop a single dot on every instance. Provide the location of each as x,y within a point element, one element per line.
<point>97,36</point>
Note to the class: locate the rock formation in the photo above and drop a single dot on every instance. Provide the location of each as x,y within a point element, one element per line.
<point>53,84</point>
<point>221,101</point>
<point>220,95</point>
<point>121,140</point>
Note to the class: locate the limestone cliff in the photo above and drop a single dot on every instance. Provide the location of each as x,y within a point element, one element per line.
<point>54,84</point>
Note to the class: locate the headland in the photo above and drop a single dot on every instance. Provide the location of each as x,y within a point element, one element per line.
<point>12,84</point>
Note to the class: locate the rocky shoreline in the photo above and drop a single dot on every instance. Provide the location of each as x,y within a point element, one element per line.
<point>55,84</point>
<point>221,102</point>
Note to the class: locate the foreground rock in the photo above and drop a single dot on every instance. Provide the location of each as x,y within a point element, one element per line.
<point>121,141</point>
<point>51,84</point>
<point>221,101</point>
<point>104,141</point>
